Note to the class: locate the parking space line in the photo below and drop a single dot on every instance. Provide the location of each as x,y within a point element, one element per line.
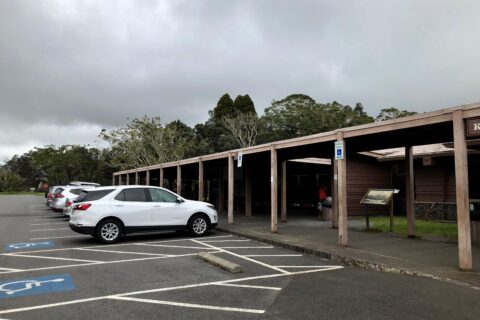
<point>46,238</point>
<point>248,286</point>
<point>10,269</point>
<point>243,257</point>
<point>124,252</point>
<point>187,239</point>
<point>268,247</point>
<point>51,305</point>
<point>168,246</point>
<point>189,305</point>
<point>49,229</point>
<point>54,258</point>
<point>47,223</point>
<point>273,255</point>
<point>315,267</point>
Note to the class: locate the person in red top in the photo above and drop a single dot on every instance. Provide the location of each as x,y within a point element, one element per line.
<point>322,196</point>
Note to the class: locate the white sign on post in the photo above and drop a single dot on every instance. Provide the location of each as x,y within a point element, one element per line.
<point>339,150</point>
<point>240,159</point>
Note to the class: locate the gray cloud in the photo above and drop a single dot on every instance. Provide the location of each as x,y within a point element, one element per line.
<point>91,64</point>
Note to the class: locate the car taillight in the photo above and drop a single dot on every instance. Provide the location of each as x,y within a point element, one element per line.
<point>59,195</point>
<point>49,196</point>
<point>68,203</point>
<point>82,207</point>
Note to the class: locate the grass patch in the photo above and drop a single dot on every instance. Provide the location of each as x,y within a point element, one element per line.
<point>21,193</point>
<point>422,227</point>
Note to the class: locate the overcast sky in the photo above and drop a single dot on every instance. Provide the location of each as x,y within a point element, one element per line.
<point>70,68</point>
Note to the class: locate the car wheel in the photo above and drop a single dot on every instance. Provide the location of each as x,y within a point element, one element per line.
<point>198,225</point>
<point>109,231</point>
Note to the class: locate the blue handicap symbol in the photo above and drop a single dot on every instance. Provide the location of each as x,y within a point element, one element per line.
<point>339,152</point>
<point>36,285</point>
<point>29,245</point>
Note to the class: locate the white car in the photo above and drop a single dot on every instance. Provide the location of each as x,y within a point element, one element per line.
<point>51,194</point>
<point>108,213</point>
<point>64,194</point>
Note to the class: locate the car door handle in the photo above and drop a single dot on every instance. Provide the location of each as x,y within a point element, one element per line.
<point>119,205</point>
<point>157,206</point>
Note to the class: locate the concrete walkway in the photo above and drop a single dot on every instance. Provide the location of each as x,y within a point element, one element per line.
<point>374,251</point>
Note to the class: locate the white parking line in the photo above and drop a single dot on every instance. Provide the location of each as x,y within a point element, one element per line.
<point>124,252</point>
<point>189,305</point>
<point>243,257</point>
<point>168,246</point>
<point>247,286</point>
<point>233,240</point>
<point>273,255</point>
<point>49,229</point>
<point>38,205</point>
<point>47,238</point>
<point>55,258</point>
<point>9,269</point>
<point>48,223</point>
<point>268,247</point>
<point>51,305</point>
<point>187,239</point>
<point>314,267</point>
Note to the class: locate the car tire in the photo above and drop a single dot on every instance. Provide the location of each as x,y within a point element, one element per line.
<point>109,231</point>
<point>198,225</point>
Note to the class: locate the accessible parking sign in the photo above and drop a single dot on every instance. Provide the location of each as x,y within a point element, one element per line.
<point>35,285</point>
<point>29,245</point>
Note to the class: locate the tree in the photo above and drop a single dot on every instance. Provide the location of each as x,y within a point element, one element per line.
<point>243,104</point>
<point>224,108</point>
<point>244,128</point>
<point>9,181</point>
<point>393,113</point>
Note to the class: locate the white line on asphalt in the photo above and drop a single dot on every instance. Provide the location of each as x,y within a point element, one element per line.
<point>46,238</point>
<point>55,258</point>
<point>189,305</point>
<point>49,229</point>
<point>273,255</point>
<point>124,252</point>
<point>243,257</point>
<point>10,269</point>
<point>161,290</point>
<point>48,223</point>
<point>168,246</point>
<point>234,240</point>
<point>187,239</point>
<point>314,267</point>
<point>42,211</point>
<point>247,286</point>
<point>103,263</point>
<point>37,205</point>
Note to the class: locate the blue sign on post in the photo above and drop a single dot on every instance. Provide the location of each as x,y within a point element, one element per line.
<point>37,285</point>
<point>339,150</point>
<point>29,245</point>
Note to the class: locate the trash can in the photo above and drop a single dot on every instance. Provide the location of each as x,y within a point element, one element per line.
<point>326,212</point>
<point>475,222</point>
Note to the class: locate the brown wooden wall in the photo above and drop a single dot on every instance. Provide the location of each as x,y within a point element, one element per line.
<point>435,183</point>
<point>363,173</point>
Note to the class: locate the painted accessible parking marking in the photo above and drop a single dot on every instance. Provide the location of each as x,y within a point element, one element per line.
<point>37,285</point>
<point>29,245</point>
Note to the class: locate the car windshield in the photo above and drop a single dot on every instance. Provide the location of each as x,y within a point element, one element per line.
<point>92,195</point>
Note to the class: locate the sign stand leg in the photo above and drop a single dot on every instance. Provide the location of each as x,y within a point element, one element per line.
<point>367,218</point>
<point>391,215</point>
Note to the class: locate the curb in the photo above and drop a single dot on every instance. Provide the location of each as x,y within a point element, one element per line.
<point>349,261</point>
<point>220,262</point>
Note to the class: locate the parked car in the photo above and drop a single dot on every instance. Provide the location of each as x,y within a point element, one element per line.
<point>65,193</point>
<point>108,213</point>
<point>82,183</point>
<point>50,194</point>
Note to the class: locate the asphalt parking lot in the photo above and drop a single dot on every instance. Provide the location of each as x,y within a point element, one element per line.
<point>49,272</point>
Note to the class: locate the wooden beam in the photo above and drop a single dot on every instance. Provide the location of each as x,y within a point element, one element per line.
<point>201,183</point>
<point>342,195</point>
<point>334,224</point>
<point>274,189</point>
<point>221,192</point>
<point>248,191</point>
<point>462,192</point>
<point>147,178</point>
<point>161,178</point>
<point>231,184</point>
<point>179,180</point>
<point>410,191</point>
<point>283,210</point>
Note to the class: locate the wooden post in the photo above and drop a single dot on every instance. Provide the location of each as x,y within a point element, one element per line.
<point>128,178</point>
<point>231,178</point>
<point>221,193</point>
<point>136,178</point>
<point>342,195</point>
<point>248,191</point>
<point>274,189</point>
<point>200,180</point>
<point>160,178</point>
<point>179,179</point>
<point>410,191</point>
<point>334,224</point>
<point>283,210</point>
<point>462,192</point>
<point>113,180</point>
<point>147,182</point>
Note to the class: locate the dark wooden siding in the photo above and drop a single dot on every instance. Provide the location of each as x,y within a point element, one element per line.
<point>364,173</point>
<point>435,183</point>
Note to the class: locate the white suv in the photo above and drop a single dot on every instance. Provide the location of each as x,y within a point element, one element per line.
<point>65,194</point>
<point>108,213</point>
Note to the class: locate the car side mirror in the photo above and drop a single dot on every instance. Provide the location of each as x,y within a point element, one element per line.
<point>179,200</point>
